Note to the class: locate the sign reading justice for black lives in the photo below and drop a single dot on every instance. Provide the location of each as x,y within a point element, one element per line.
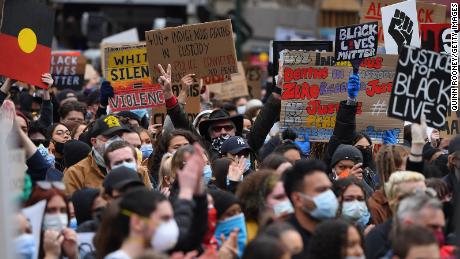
<point>421,86</point>
<point>356,42</point>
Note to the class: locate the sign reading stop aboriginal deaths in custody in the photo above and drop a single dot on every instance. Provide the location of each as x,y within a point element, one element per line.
<point>68,70</point>
<point>125,66</point>
<point>311,94</point>
<point>356,42</point>
<point>426,13</point>
<point>421,86</point>
<point>205,49</point>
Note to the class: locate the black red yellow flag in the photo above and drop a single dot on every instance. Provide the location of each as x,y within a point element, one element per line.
<point>25,40</point>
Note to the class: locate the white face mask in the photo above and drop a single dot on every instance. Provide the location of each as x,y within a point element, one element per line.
<point>353,210</point>
<point>56,222</point>
<point>241,109</point>
<point>165,236</point>
<point>284,207</point>
<point>130,165</point>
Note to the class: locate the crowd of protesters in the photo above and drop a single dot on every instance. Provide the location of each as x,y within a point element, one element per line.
<point>229,184</point>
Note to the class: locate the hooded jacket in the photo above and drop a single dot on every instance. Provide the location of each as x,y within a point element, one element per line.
<point>87,174</point>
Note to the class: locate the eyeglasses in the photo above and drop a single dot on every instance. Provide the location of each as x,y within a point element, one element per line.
<point>47,185</point>
<point>62,132</point>
<point>219,128</point>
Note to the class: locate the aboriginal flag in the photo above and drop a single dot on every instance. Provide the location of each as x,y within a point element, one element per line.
<point>25,40</point>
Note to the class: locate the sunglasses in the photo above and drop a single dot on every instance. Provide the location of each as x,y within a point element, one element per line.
<point>219,128</point>
<point>47,185</point>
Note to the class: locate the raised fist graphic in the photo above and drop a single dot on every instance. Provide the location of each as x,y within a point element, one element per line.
<point>401,28</point>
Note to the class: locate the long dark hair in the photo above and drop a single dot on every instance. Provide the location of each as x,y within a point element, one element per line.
<point>161,147</point>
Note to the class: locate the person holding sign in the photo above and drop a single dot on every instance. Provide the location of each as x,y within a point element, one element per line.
<point>220,125</point>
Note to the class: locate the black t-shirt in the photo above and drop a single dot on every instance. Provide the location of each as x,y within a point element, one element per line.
<point>306,236</point>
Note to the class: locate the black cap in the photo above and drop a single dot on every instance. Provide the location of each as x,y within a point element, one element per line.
<point>107,126</point>
<point>222,200</point>
<point>74,152</point>
<point>234,145</point>
<point>454,144</point>
<point>218,116</point>
<point>346,152</point>
<point>119,178</point>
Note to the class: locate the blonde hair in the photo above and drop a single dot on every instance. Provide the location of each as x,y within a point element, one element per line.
<point>389,159</point>
<point>165,169</point>
<point>391,187</point>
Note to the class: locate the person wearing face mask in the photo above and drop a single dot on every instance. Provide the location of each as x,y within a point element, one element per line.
<point>262,199</point>
<point>336,239</point>
<point>57,239</point>
<point>309,190</point>
<point>220,125</point>
<point>348,161</point>
<point>90,172</point>
<point>24,242</point>
<point>453,180</point>
<point>88,204</point>
<point>236,148</point>
<point>60,134</point>
<point>146,144</point>
<point>352,203</point>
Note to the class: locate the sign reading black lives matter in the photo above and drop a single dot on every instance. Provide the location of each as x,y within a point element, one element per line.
<point>356,42</point>
<point>421,86</point>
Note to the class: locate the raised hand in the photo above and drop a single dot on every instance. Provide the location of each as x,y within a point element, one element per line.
<point>236,169</point>
<point>52,242</point>
<point>106,92</point>
<point>190,176</point>
<point>7,116</point>
<point>357,171</point>
<point>70,243</point>
<point>229,247</point>
<point>47,79</point>
<point>389,137</point>
<point>401,28</point>
<point>353,86</point>
<point>165,81</point>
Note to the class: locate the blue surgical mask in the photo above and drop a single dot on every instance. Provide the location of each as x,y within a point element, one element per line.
<point>241,109</point>
<point>140,113</point>
<point>284,207</point>
<point>247,164</point>
<point>130,165</point>
<point>326,205</point>
<point>207,173</point>
<point>147,150</point>
<point>227,226</point>
<point>25,246</point>
<point>73,223</point>
<point>354,210</point>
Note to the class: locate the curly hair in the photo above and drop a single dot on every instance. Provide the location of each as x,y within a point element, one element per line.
<point>254,190</point>
<point>329,240</point>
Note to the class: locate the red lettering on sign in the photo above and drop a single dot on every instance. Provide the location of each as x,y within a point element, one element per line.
<point>315,107</point>
<point>304,73</point>
<point>374,62</point>
<point>374,87</point>
<point>424,15</point>
<point>297,91</point>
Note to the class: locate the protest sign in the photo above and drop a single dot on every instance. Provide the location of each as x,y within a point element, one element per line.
<point>311,95</point>
<point>125,67</point>
<point>236,87</point>
<point>421,86</point>
<point>127,36</point>
<point>205,49</point>
<point>278,46</point>
<point>451,129</point>
<point>68,70</point>
<point>400,26</point>
<point>356,42</point>
<point>426,13</point>
<point>35,214</point>
<point>254,80</point>
<point>436,37</point>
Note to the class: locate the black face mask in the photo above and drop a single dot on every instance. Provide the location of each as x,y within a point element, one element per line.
<point>441,164</point>
<point>59,147</point>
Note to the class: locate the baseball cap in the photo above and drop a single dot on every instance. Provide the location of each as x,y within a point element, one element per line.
<point>234,145</point>
<point>107,126</point>
<point>119,178</point>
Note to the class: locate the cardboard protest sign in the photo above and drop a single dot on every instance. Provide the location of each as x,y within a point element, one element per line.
<point>236,87</point>
<point>400,26</point>
<point>254,80</point>
<point>35,214</point>
<point>426,13</point>
<point>451,129</point>
<point>311,95</point>
<point>68,70</point>
<point>421,86</point>
<point>206,49</point>
<point>356,42</point>
<point>127,36</point>
<point>125,66</point>
<point>436,37</point>
<point>278,46</point>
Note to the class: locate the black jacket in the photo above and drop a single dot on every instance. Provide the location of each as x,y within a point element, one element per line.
<point>306,236</point>
<point>192,219</point>
<point>256,137</point>
<point>377,243</point>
